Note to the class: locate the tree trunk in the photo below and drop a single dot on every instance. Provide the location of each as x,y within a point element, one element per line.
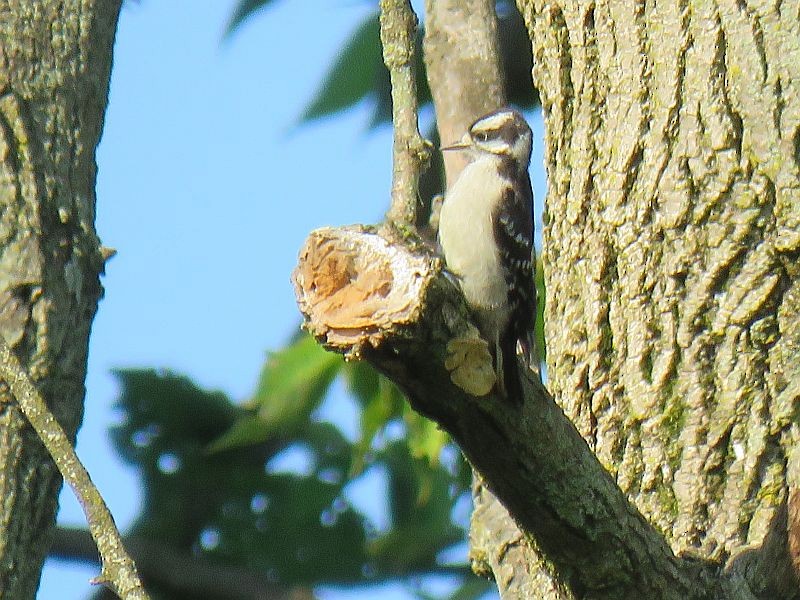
<point>670,252</point>
<point>55,59</point>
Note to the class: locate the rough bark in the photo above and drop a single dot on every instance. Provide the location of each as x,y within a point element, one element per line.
<point>670,253</point>
<point>55,60</point>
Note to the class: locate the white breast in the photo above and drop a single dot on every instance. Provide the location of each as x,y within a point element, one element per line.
<point>467,237</point>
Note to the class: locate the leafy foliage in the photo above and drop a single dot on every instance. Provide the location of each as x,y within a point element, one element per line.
<point>414,488</point>
<point>358,73</point>
<point>226,505</point>
<point>210,490</point>
<point>293,383</point>
<point>353,75</point>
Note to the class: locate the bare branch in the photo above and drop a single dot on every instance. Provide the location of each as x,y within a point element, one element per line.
<point>179,571</point>
<point>411,151</point>
<point>118,570</point>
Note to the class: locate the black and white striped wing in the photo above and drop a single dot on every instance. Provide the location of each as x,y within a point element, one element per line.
<point>513,232</point>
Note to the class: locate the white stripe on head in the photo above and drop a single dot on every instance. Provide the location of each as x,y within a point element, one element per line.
<point>494,120</point>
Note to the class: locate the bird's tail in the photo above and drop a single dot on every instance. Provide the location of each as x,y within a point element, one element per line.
<point>530,352</point>
<point>507,368</point>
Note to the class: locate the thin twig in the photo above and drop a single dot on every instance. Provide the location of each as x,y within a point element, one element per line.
<point>118,570</point>
<point>411,151</point>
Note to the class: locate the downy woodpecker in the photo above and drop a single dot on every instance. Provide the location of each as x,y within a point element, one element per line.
<point>486,235</point>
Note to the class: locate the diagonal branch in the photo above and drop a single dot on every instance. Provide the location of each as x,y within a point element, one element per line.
<point>118,570</point>
<point>365,296</point>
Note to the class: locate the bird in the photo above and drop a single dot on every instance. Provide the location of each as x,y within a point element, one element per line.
<point>486,237</point>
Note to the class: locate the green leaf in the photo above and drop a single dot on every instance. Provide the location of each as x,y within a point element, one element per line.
<point>155,404</point>
<point>362,381</point>
<point>293,383</point>
<point>425,438</point>
<point>472,588</point>
<point>244,11</point>
<point>247,431</point>
<point>382,95</point>
<point>353,74</point>
<point>380,402</point>
<point>420,500</point>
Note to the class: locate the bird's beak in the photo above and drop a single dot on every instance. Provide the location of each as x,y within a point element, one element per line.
<point>461,144</point>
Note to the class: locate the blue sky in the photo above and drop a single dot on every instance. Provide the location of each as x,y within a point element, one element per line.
<point>207,189</point>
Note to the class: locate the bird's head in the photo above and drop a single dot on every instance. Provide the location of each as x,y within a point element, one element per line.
<point>503,133</point>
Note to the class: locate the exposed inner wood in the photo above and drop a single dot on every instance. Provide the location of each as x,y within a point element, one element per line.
<point>353,287</point>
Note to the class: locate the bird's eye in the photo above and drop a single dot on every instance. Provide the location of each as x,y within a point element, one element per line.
<point>482,136</point>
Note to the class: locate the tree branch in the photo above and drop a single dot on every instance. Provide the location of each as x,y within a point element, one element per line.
<point>118,570</point>
<point>499,549</point>
<point>179,571</point>
<point>411,151</point>
<point>367,297</point>
<point>773,569</point>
